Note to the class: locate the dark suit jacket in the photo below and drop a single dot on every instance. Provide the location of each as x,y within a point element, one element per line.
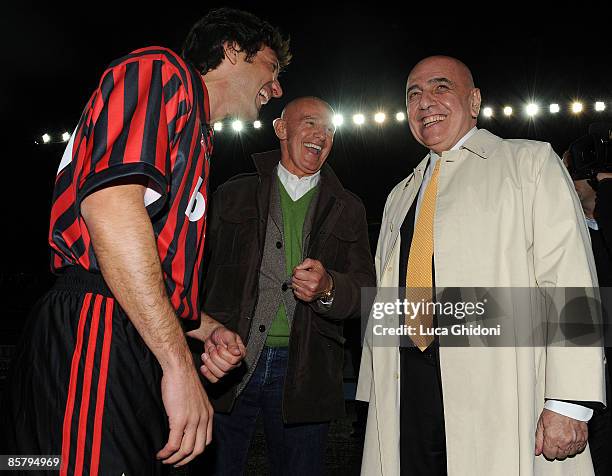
<point>602,238</point>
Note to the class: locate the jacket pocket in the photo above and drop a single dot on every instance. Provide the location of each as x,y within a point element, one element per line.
<point>344,233</point>
<point>336,249</point>
<point>328,350</point>
<point>236,238</point>
<point>326,330</point>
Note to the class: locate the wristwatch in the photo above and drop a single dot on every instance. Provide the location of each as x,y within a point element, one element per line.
<point>327,297</point>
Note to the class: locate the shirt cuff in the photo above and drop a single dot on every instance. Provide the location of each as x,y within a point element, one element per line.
<point>577,412</point>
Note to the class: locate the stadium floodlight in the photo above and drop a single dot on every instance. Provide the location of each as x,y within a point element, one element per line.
<point>554,108</point>
<point>380,117</point>
<point>400,116</point>
<point>600,106</point>
<point>218,126</point>
<point>576,107</point>
<point>507,111</point>
<point>46,138</point>
<point>237,125</point>
<point>338,120</point>
<point>532,109</point>
<point>359,119</point>
<point>257,124</point>
<point>66,136</point>
<point>487,112</point>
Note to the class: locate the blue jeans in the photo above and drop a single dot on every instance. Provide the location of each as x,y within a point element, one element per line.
<point>291,449</point>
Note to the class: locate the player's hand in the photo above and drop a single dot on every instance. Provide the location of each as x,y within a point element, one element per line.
<point>223,351</point>
<point>558,436</point>
<point>310,280</point>
<point>190,415</point>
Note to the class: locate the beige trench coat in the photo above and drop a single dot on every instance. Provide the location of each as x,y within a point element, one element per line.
<point>506,215</point>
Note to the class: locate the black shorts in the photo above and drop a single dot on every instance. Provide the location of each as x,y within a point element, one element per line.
<point>84,385</point>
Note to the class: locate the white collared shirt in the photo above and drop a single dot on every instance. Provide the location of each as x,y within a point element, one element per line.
<point>592,223</point>
<point>295,186</point>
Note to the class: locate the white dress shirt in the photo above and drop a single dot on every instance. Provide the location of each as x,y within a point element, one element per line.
<point>295,186</point>
<point>592,223</point>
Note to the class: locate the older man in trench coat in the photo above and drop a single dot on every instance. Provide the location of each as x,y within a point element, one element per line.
<point>506,215</point>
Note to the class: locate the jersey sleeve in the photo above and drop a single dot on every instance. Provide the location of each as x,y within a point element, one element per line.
<point>135,118</point>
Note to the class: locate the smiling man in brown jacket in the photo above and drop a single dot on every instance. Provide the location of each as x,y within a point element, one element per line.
<point>289,256</point>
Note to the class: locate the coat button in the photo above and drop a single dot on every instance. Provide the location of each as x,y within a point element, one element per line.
<point>262,328</point>
<point>279,244</point>
<point>284,287</point>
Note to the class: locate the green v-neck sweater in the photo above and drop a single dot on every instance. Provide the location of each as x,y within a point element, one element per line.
<point>294,214</point>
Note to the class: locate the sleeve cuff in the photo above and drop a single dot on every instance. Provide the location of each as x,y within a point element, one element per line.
<point>119,171</point>
<point>571,410</point>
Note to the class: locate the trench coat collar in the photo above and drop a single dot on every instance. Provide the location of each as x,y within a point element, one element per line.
<point>482,143</point>
<point>418,172</point>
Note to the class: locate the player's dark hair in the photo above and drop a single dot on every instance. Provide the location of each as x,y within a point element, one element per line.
<point>203,46</point>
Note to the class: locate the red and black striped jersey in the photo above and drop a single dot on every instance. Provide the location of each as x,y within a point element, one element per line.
<point>148,117</point>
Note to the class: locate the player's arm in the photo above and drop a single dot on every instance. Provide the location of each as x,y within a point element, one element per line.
<point>124,243</point>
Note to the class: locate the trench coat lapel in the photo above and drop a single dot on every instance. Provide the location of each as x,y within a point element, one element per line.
<point>398,213</point>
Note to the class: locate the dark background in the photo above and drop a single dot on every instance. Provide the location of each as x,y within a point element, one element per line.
<point>356,58</point>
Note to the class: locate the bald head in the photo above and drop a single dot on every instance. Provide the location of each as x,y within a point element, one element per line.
<point>298,103</point>
<point>306,134</point>
<point>442,102</point>
<point>460,67</point>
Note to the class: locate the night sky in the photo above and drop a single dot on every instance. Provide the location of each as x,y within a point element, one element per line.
<point>355,58</point>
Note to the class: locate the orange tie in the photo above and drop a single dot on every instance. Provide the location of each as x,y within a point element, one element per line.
<point>419,274</point>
